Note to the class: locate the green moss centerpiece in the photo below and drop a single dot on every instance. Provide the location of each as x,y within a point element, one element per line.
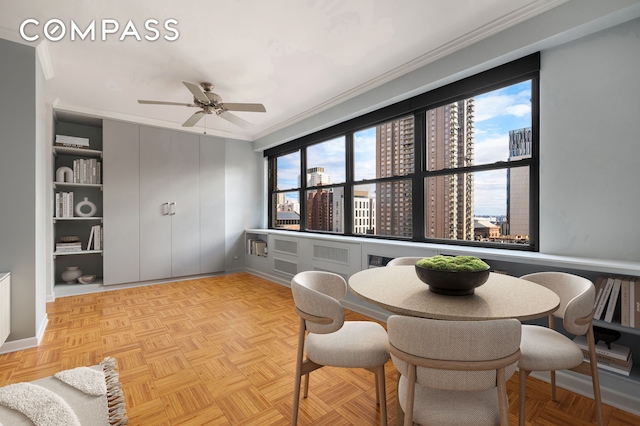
<point>452,275</point>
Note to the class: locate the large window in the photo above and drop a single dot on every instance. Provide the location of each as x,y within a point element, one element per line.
<point>455,165</point>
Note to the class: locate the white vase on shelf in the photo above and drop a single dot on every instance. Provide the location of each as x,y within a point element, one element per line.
<point>86,203</point>
<point>70,274</point>
<point>64,174</point>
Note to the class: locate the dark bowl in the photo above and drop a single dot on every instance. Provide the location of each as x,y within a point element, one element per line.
<point>452,283</point>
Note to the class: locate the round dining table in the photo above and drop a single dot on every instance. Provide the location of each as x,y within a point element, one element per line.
<point>399,290</point>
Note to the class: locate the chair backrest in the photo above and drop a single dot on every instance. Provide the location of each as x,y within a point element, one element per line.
<point>577,296</point>
<point>452,349</point>
<point>318,293</point>
<point>398,261</point>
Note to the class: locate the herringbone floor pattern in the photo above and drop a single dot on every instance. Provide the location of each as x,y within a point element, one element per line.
<point>221,351</point>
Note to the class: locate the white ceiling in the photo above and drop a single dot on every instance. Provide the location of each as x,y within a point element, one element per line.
<point>297,57</point>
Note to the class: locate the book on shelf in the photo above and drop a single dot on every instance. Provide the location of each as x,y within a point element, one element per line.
<point>613,299</point>
<point>609,360</point>
<point>261,248</point>
<point>634,303</point>
<point>95,238</point>
<point>64,205</point>
<point>90,238</point>
<point>612,366</point>
<point>68,247</point>
<point>599,285</point>
<point>625,306</point>
<point>72,140</point>
<point>604,298</point>
<point>86,171</point>
<point>617,351</point>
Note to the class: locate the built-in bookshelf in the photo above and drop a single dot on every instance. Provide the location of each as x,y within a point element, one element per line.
<point>77,201</point>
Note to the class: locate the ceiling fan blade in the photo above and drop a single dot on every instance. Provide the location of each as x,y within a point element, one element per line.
<point>244,107</point>
<point>193,119</point>
<point>198,93</point>
<point>140,101</point>
<point>234,119</point>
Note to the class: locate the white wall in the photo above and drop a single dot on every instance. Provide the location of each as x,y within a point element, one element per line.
<point>589,126</point>
<point>590,146</point>
<point>244,197</point>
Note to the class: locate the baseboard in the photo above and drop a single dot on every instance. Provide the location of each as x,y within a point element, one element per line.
<point>371,312</point>
<point>615,390</point>
<point>29,342</point>
<point>274,278</point>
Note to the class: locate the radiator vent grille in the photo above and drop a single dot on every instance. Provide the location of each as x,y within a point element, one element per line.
<point>345,276</point>
<point>286,267</point>
<point>333,254</point>
<point>285,246</point>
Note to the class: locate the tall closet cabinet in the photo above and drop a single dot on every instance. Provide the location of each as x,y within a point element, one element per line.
<point>163,203</point>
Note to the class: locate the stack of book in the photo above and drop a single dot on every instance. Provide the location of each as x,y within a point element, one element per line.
<point>86,170</point>
<point>72,141</point>
<point>257,247</point>
<point>63,204</point>
<point>95,238</point>
<point>68,247</point>
<point>618,298</point>
<point>617,358</point>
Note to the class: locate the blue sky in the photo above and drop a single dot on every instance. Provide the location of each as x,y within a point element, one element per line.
<point>496,113</point>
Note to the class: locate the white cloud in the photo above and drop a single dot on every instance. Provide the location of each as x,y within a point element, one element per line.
<point>502,102</point>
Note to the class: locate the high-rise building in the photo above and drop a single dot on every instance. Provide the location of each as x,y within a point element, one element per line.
<point>450,144</point>
<point>319,201</point>
<point>317,177</point>
<point>364,219</point>
<point>395,150</point>
<point>518,183</point>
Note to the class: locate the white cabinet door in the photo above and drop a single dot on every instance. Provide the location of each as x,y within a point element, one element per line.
<point>155,196</point>
<point>121,203</point>
<point>212,205</point>
<point>185,205</point>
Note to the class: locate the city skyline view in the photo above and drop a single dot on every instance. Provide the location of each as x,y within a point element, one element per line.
<point>496,113</point>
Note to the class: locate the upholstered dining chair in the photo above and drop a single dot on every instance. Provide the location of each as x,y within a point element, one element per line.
<point>545,349</point>
<point>329,340</point>
<point>399,261</point>
<point>454,372</point>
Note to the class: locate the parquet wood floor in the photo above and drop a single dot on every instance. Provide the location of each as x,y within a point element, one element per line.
<point>221,351</point>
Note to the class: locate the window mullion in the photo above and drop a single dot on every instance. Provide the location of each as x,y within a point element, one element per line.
<point>348,187</point>
<point>417,184</point>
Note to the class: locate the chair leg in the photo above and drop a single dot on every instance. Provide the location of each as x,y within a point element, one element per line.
<point>382,394</point>
<point>522,381</point>
<point>377,387</point>
<point>306,386</point>
<point>595,378</point>
<point>296,389</point>
<point>552,374</point>
<point>411,388</point>
<point>503,399</point>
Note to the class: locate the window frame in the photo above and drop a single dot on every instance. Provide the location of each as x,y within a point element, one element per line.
<point>523,69</point>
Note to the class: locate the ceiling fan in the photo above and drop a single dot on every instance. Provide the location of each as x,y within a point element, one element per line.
<point>211,103</point>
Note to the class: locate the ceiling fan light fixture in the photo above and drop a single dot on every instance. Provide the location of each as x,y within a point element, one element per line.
<point>211,102</point>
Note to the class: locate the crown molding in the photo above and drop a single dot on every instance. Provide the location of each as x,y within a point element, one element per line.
<point>497,25</point>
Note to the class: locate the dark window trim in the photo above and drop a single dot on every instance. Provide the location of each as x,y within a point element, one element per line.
<point>526,68</point>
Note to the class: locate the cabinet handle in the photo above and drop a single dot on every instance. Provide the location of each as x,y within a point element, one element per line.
<point>165,209</point>
<point>172,208</point>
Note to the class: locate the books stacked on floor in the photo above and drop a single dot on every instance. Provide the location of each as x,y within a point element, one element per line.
<point>618,299</point>
<point>95,238</point>
<point>63,204</point>
<point>610,357</point>
<point>86,170</point>
<point>72,141</point>
<point>257,247</point>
